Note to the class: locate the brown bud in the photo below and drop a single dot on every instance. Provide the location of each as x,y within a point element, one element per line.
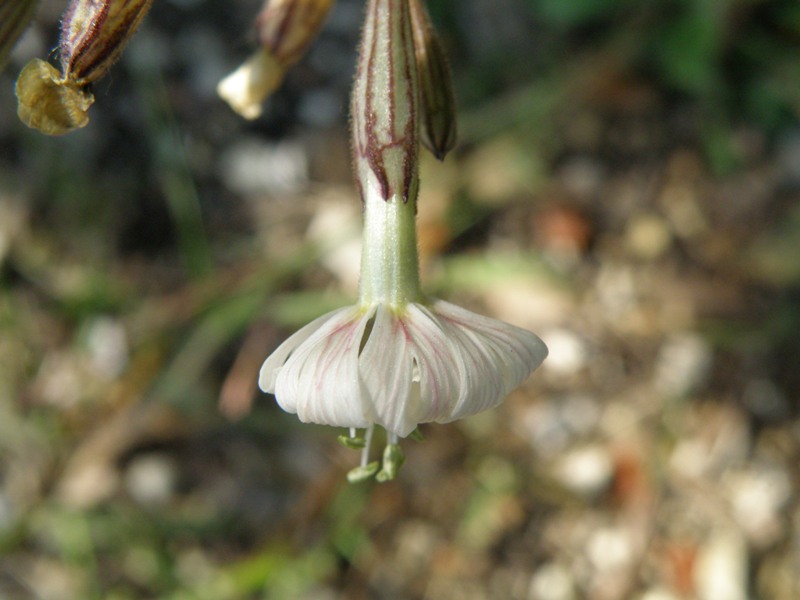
<point>385,100</point>
<point>15,16</point>
<point>94,33</point>
<point>437,102</point>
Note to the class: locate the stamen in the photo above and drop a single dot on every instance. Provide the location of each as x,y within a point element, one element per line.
<point>393,458</point>
<point>367,444</point>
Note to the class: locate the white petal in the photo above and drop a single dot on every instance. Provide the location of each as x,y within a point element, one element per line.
<point>482,382</point>
<point>275,361</point>
<point>325,380</point>
<point>490,349</point>
<point>409,368</point>
<point>320,380</point>
<point>441,366</point>
<point>386,369</point>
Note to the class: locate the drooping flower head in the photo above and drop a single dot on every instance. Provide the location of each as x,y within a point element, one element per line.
<point>285,29</point>
<point>397,358</point>
<point>93,35</point>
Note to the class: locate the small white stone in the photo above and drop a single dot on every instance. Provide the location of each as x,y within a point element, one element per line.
<point>721,572</point>
<point>610,548</point>
<point>586,471</point>
<point>107,343</point>
<point>568,352</point>
<point>552,581</point>
<point>683,364</point>
<point>151,479</point>
<point>757,497</point>
<point>648,236</point>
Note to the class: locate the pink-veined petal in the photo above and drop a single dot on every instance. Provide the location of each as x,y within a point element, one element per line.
<point>514,352</point>
<point>481,381</point>
<point>320,381</point>
<point>387,372</point>
<point>275,361</point>
<point>410,369</point>
<point>441,366</point>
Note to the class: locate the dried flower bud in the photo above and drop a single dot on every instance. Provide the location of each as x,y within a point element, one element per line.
<point>285,30</point>
<point>15,16</point>
<point>93,34</point>
<point>385,126</point>
<point>49,103</point>
<point>437,102</point>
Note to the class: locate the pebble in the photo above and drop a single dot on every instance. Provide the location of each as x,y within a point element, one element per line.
<point>683,364</point>
<point>721,571</point>
<point>151,479</point>
<point>568,352</point>
<point>107,344</point>
<point>648,236</point>
<point>758,496</point>
<point>586,471</point>
<point>552,581</point>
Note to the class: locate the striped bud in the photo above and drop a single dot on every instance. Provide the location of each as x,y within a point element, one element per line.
<point>285,29</point>
<point>15,16</point>
<point>93,35</point>
<point>385,125</point>
<point>437,101</point>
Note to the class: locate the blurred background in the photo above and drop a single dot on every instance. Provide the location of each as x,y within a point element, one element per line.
<point>627,185</point>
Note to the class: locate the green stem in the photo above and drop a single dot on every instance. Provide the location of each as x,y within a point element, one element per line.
<point>389,261</point>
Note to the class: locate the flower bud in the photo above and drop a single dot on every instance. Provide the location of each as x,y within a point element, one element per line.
<point>385,126</point>
<point>15,16</point>
<point>437,101</point>
<point>285,30</point>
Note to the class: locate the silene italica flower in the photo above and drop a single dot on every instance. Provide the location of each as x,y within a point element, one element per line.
<point>397,358</point>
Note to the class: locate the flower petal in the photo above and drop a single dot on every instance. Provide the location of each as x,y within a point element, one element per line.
<point>275,361</point>
<point>386,369</point>
<point>320,379</point>
<point>440,364</point>
<point>294,365</point>
<point>499,356</point>
<point>408,367</point>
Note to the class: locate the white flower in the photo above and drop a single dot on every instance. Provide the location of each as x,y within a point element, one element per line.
<point>396,359</point>
<point>358,367</point>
